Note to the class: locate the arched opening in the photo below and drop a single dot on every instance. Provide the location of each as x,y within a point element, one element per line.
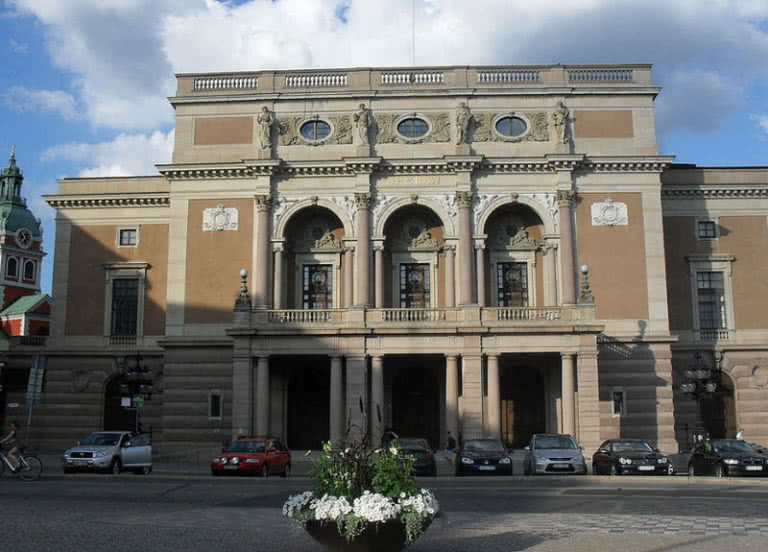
<point>415,395</point>
<point>117,417</point>
<point>308,407</point>
<point>718,411</point>
<point>314,261</point>
<point>513,274</point>
<point>414,276</point>
<point>523,400</point>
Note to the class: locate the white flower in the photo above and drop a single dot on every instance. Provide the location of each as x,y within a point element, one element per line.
<point>296,503</point>
<point>331,507</point>
<point>424,503</point>
<point>375,507</point>
<point>393,450</point>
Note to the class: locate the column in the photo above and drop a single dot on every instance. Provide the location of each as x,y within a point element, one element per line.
<point>450,278</point>
<point>377,400</point>
<point>472,397</point>
<point>337,401</point>
<point>494,398</point>
<point>480,259</point>
<point>262,396</point>
<point>568,390</point>
<point>550,274</point>
<point>363,261</point>
<point>355,393</point>
<point>451,397</point>
<point>378,275</point>
<point>567,262</point>
<point>279,287</point>
<point>464,204</point>
<point>261,290</point>
<point>242,382</point>
<point>349,275</point>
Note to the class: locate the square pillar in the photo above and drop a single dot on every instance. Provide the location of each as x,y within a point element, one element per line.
<point>472,419</point>
<point>356,392</point>
<point>242,385</point>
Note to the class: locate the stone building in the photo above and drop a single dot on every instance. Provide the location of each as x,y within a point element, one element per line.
<point>491,251</point>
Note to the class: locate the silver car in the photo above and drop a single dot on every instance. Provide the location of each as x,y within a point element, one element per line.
<point>110,451</point>
<point>554,453</point>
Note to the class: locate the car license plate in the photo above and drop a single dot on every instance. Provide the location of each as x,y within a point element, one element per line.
<point>230,467</point>
<point>487,468</point>
<point>645,468</point>
<point>560,466</point>
<point>754,468</point>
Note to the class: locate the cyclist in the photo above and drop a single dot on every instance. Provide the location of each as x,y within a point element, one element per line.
<point>11,442</point>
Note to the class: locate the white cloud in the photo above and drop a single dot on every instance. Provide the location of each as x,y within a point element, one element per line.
<point>18,47</point>
<point>51,101</point>
<point>761,121</point>
<point>126,155</point>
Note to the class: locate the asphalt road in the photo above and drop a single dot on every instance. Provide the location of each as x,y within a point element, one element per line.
<point>103,513</point>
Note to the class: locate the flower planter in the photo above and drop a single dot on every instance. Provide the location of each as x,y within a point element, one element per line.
<point>385,536</point>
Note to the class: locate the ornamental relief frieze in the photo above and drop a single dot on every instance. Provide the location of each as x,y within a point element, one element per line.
<point>481,203</point>
<point>220,218</point>
<point>386,128</point>
<point>289,129</point>
<point>281,204</point>
<point>538,130</point>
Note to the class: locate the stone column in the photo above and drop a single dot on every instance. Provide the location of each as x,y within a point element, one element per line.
<point>242,384</point>
<point>567,262</point>
<point>549,251</point>
<point>363,261</point>
<point>480,260</point>
<point>261,289</point>
<point>355,393</point>
<point>337,401</point>
<point>279,287</point>
<point>377,399</point>
<point>349,254</point>
<point>450,277</point>
<point>568,391</point>
<point>451,397</point>
<point>378,275</point>
<point>464,204</point>
<point>494,398</point>
<point>262,399</point>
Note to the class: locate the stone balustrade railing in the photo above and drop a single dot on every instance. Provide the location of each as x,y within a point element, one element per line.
<point>297,82</point>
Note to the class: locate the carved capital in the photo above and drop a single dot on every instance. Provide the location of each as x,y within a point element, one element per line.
<point>363,201</point>
<point>464,200</point>
<point>565,198</point>
<point>449,249</point>
<point>263,202</point>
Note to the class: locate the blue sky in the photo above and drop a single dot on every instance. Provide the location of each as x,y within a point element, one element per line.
<point>84,86</point>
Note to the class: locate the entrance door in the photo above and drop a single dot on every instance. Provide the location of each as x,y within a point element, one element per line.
<point>308,407</point>
<point>719,412</point>
<point>416,405</point>
<point>116,417</point>
<point>522,406</point>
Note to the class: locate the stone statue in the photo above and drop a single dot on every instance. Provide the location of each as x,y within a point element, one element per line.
<point>363,122</point>
<point>464,120</point>
<point>266,119</point>
<point>560,122</point>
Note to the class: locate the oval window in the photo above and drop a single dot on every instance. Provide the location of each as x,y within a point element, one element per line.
<point>511,126</point>
<point>315,130</point>
<point>413,127</point>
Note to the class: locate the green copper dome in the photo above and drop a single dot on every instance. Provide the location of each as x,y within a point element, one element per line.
<point>14,214</point>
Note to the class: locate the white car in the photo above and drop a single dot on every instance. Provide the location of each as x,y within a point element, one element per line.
<point>110,451</point>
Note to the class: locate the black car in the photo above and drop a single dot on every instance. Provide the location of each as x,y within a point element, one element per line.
<point>721,457</point>
<point>629,456</point>
<point>423,457</point>
<point>483,457</point>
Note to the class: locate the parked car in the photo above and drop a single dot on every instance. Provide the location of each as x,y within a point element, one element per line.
<point>483,457</point>
<point>258,455</point>
<point>554,453</point>
<point>110,451</point>
<point>722,457</point>
<point>629,456</point>
<point>423,457</point>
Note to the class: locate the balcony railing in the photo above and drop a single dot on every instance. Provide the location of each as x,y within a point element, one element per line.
<point>471,316</point>
<point>29,340</point>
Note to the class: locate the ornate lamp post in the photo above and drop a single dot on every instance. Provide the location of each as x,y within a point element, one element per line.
<point>137,387</point>
<point>701,383</point>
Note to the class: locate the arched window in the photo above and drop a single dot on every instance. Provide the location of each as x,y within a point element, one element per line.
<point>12,268</point>
<point>29,270</point>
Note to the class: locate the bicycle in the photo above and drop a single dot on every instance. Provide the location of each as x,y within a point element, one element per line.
<point>29,469</point>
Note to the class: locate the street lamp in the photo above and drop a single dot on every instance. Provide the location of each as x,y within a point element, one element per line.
<point>136,387</point>
<point>701,383</point>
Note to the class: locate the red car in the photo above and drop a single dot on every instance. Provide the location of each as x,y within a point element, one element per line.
<point>257,455</point>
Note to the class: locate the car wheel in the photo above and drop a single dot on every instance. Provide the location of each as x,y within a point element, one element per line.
<point>286,471</point>
<point>146,470</point>
<point>264,471</point>
<point>613,470</point>
<point>719,471</point>
<point>691,471</point>
<point>114,467</point>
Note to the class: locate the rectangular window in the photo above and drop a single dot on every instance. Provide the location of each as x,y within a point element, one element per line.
<point>512,284</point>
<point>125,301</point>
<point>711,299</point>
<point>317,287</point>
<point>414,285</point>
<point>215,407</point>
<point>706,229</point>
<point>128,237</point>
<point>618,399</point>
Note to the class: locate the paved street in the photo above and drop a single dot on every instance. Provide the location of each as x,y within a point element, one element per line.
<point>190,513</point>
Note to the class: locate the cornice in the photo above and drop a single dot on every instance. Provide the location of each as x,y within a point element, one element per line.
<point>415,166</point>
<point>652,164</point>
<point>192,172</point>
<point>522,165</point>
<point>714,191</point>
<point>126,200</point>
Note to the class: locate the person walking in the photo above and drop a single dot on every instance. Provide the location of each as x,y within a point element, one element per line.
<point>450,448</point>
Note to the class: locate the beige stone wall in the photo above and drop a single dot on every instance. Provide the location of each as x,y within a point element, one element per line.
<point>92,246</point>
<point>616,258</point>
<point>214,260</point>
<point>223,130</point>
<point>603,124</point>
